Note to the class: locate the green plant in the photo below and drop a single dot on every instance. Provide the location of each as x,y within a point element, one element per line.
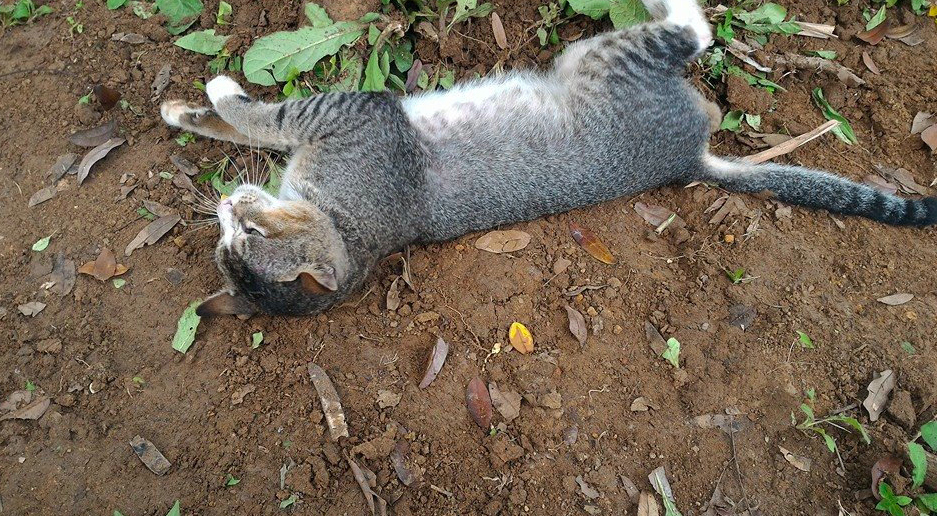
<point>812,425</point>
<point>224,10</point>
<point>804,340</point>
<point>30,386</point>
<point>737,276</point>
<point>843,131</point>
<point>231,480</point>
<point>891,503</point>
<point>549,21</point>
<point>74,26</point>
<point>185,138</point>
<point>21,11</point>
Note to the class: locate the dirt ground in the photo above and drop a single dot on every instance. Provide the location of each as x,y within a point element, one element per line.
<point>808,272</point>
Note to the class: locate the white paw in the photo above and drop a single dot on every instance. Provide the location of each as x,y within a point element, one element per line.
<point>221,87</point>
<point>172,111</point>
<point>687,13</point>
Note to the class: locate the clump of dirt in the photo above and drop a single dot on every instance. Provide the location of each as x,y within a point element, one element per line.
<point>102,354</point>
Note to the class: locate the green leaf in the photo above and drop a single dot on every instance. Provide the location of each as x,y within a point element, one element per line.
<point>403,55</point>
<point>672,353</point>
<point>117,513</point>
<point>853,422</point>
<point>625,13</point>
<point>724,30</point>
<point>289,501</point>
<point>317,15</point>
<point>466,9</point>
<point>908,348</point>
<point>272,57</point>
<point>595,9</point>
<point>919,460</point>
<point>929,501</point>
<point>844,131</point>
<point>374,78</point>
<point>825,54</point>
<point>41,244</point>
<point>184,139</point>
<point>876,20</point>
<point>929,434</point>
<point>830,443</point>
<point>257,339</point>
<point>224,9</point>
<point>30,386</point>
<point>142,10</point>
<point>231,480</point>
<point>115,4</point>
<point>447,79</point>
<point>204,42</point>
<point>732,122</point>
<point>180,14</point>
<point>119,282</point>
<point>175,511</point>
<point>768,13</point>
<point>805,340</point>
<point>807,410</point>
<point>754,121</point>
<point>185,328</point>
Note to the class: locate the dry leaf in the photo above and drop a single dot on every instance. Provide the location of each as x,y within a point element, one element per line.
<point>799,462</point>
<point>577,325</point>
<point>106,96</point>
<point>94,136</point>
<point>41,196</point>
<point>630,488</point>
<point>498,28</point>
<point>183,165</point>
<point>32,308</point>
<point>880,184</point>
<point>156,208</point>
<point>741,316</point>
<point>870,64</point>
<point>647,505</point>
<point>560,266</point>
<point>900,31</point>
<point>774,140</point>
<point>642,404</point>
<point>153,231</point>
<point>658,480</point>
<point>478,403</point>
<point>922,121</point>
<point>182,181</point>
<point>879,389</point>
<point>364,482</point>
<point>237,397</point>
<point>104,267</point>
<point>652,214</point>
<point>591,243</point>
<point>887,465</point>
<point>63,275</point>
<point>587,490</point>
<point>520,338</point>
<point>154,460</point>
<point>904,178</point>
<point>896,299</point>
<point>331,404</point>
<point>133,39</point>
<point>398,458</point>
<point>874,36</point>
<point>95,155</point>
<point>62,164</point>
<point>724,422</point>
<point>434,362</point>
<point>33,409</point>
<point>929,136</point>
<point>393,295</point>
<point>654,338</point>
<point>160,82</point>
<point>506,241</point>
<point>388,399</point>
<point>507,403</point>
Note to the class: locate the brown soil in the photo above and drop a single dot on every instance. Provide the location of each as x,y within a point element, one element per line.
<point>808,274</point>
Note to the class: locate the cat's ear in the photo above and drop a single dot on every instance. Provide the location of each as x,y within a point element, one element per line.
<point>315,279</point>
<point>225,303</point>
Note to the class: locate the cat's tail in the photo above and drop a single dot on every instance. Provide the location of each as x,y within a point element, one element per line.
<point>817,189</point>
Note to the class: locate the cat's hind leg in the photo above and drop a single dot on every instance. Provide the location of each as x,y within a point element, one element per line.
<point>206,122</point>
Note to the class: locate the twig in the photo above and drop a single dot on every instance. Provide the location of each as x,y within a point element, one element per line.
<point>824,65</point>
<point>793,143</point>
<point>738,470</point>
<point>478,341</point>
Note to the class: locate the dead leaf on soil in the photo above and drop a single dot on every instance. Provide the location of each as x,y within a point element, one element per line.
<point>42,196</point>
<point>133,39</point>
<point>156,208</point>
<point>23,406</point>
<point>642,404</point>
<point>478,403</point>
<point>647,505</point>
<point>434,362</point>
<point>874,36</point>
<point>591,243</point>
<point>398,458</point>
<point>104,267</point>
<point>237,397</point>
<point>880,184</point>
<point>151,457</point>
<point>365,484</point>
<point>922,121</point>
<point>896,299</point>
<point>387,399</point>
<point>183,182</point>
<point>153,231</point>
<point>879,389</point>
<point>95,155</point>
<point>654,338</point>
<point>106,96</point>
<point>930,137</point>
<point>799,462</point>
<point>907,34</point>
<point>732,206</point>
<point>393,295</point>
<point>32,308</point>
<point>561,265</point>
<point>587,490</point>
<point>498,28</point>
<point>575,291</point>
<point>520,338</point>
<point>94,136</point>
<point>630,488</point>
<point>741,316</point>
<point>577,325</point>
<point>870,64</point>
<point>506,241</point>
<point>63,275</point>
<point>331,404</point>
<point>652,214</point>
<point>727,423</point>
<point>160,82</point>
<point>62,164</point>
<point>507,403</point>
<point>904,178</point>
<point>183,165</point>
<point>888,465</point>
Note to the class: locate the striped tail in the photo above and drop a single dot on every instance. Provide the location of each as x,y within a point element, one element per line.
<point>817,189</point>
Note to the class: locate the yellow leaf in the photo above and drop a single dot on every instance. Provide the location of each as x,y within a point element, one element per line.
<point>520,338</point>
<point>223,197</point>
<point>591,243</point>
<point>932,11</point>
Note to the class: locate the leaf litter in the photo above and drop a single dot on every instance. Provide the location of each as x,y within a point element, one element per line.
<point>42,196</point>
<point>94,136</point>
<point>896,299</point>
<point>879,390</point>
<point>506,241</point>
<point>577,325</point>
<point>364,482</point>
<point>94,155</point>
<point>331,403</point>
<point>520,338</point>
<point>150,455</point>
<point>186,328</point>
<point>62,166</point>
<point>153,231</point>
<point>507,403</point>
<point>32,308</point>
<point>62,276</point>
<point>22,405</point>
<point>478,403</point>
<point>798,461</point>
<point>591,243</point>
<point>104,267</point>
<point>434,362</point>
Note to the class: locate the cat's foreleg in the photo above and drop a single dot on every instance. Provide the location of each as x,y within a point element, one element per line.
<point>206,122</point>
<point>685,14</point>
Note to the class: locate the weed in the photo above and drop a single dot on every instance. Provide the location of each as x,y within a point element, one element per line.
<point>21,11</point>
<point>30,386</point>
<point>812,425</point>
<point>74,26</point>
<point>231,480</point>
<point>805,341</point>
<point>737,276</point>
<point>185,138</point>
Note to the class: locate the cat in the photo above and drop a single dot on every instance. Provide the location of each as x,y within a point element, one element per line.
<point>370,173</point>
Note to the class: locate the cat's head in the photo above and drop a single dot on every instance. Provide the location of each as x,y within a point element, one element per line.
<point>278,257</point>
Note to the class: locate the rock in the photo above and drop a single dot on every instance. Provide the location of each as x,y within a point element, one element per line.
<point>387,399</point>
<point>902,409</point>
<point>379,447</point>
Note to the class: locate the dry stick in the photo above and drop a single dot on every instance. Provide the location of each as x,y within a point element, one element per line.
<point>793,143</point>
<point>824,65</point>
<point>738,470</point>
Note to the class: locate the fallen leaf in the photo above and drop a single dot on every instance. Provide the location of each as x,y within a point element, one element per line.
<point>183,165</point>
<point>741,316</point>
<point>498,28</point>
<point>647,505</point>
<point>33,409</point>
<point>106,96</point>
<point>630,488</point>
<point>186,327</point>
<point>560,266</point>
<point>160,82</point>
<point>659,482</point>
<point>506,241</point>
<point>237,397</point>
<point>591,243</point>
<point>577,325</point>
<point>434,362</point>
<point>922,121</point>
<point>151,457</point>
<point>732,206</point>
<point>896,299</point>
<point>133,39</point>
<point>94,136</point>
<point>32,308</point>
<point>15,400</point>
<point>904,178</point>
<point>63,275</point>
<point>879,389</point>
<point>41,196</point>
<point>364,483</point>
<point>724,422</point>
<point>62,164</point>
<point>156,208</point>
<point>520,338</point>
<point>575,291</point>
<point>331,404</point>
<point>587,490</point>
<point>654,338</point>
<point>870,64</point>
<point>652,214</point>
<point>398,458</point>
<point>799,462</point>
<point>672,353</point>
<point>95,155</point>
<point>393,295</point>
<point>899,31</point>
<point>104,267</point>
<point>387,399</point>
<point>887,465</point>
<point>929,136</point>
<point>773,140</point>
<point>478,403</point>
<point>642,404</point>
<point>153,231</point>
<point>874,36</point>
<point>182,181</point>
<point>880,184</point>
<point>507,403</point>
<point>42,244</point>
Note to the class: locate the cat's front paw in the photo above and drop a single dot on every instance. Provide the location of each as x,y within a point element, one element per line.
<point>172,111</point>
<point>222,86</point>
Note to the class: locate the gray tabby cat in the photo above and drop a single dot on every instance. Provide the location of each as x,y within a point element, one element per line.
<point>371,172</point>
